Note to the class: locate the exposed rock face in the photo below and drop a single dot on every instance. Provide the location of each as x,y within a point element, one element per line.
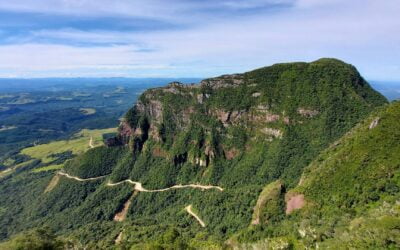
<point>273,132</point>
<point>125,132</point>
<point>260,115</point>
<point>200,98</point>
<point>229,117</point>
<point>224,81</point>
<point>173,87</point>
<point>201,162</point>
<point>158,152</point>
<point>153,109</point>
<point>232,153</point>
<point>374,123</point>
<point>223,116</point>
<point>194,122</point>
<point>268,118</point>
<point>154,133</point>
<point>307,112</point>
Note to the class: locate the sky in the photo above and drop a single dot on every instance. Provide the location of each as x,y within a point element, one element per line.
<point>194,38</point>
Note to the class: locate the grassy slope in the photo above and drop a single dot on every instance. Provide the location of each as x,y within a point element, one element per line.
<point>78,144</point>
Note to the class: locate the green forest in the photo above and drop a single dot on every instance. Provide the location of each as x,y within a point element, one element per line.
<point>291,156</point>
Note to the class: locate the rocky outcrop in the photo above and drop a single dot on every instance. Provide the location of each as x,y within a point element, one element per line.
<point>231,153</point>
<point>200,162</point>
<point>124,133</point>
<point>307,112</point>
<point>229,117</point>
<point>173,87</point>
<point>276,133</point>
<point>374,123</point>
<point>224,81</point>
<point>152,109</point>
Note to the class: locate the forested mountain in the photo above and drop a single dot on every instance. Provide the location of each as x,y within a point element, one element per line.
<point>293,155</point>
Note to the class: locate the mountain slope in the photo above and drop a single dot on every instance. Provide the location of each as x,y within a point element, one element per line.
<point>238,132</point>
<point>349,194</point>
<point>285,110</point>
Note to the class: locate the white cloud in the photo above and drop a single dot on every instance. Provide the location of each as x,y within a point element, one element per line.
<point>249,4</point>
<point>364,33</point>
<point>88,7</point>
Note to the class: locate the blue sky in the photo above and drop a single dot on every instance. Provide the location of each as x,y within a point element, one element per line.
<point>194,38</point>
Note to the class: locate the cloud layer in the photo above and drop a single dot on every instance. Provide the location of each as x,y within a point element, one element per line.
<point>177,38</point>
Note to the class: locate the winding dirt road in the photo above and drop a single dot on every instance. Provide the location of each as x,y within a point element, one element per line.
<point>120,216</point>
<point>189,210</point>
<point>138,186</point>
<point>91,142</point>
<point>80,179</point>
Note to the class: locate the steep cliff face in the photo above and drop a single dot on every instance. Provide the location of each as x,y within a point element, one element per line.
<point>287,109</point>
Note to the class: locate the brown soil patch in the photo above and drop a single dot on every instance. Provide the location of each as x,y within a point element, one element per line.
<point>232,153</point>
<point>121,215</point>
<point>294,202</point>
<point>118,239</point>
<point>158,152</point>
<point>53,183</point>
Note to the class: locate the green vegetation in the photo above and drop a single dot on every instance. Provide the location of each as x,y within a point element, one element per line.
<point>53,155</point>
<point>351,191</point>
<point>257,135</point>
<point>11,169</point>
<point>36,240</point>
<point>270,204</point>
<point>103,158</point>
<point>48,168</point>
<point>45,113</point>
<point>78,144</point>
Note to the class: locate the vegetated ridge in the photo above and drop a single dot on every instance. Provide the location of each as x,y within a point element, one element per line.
<point>254,134</point>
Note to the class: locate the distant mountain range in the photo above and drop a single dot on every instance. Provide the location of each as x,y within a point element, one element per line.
<point>390,89</point>
<point>41,84</point>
